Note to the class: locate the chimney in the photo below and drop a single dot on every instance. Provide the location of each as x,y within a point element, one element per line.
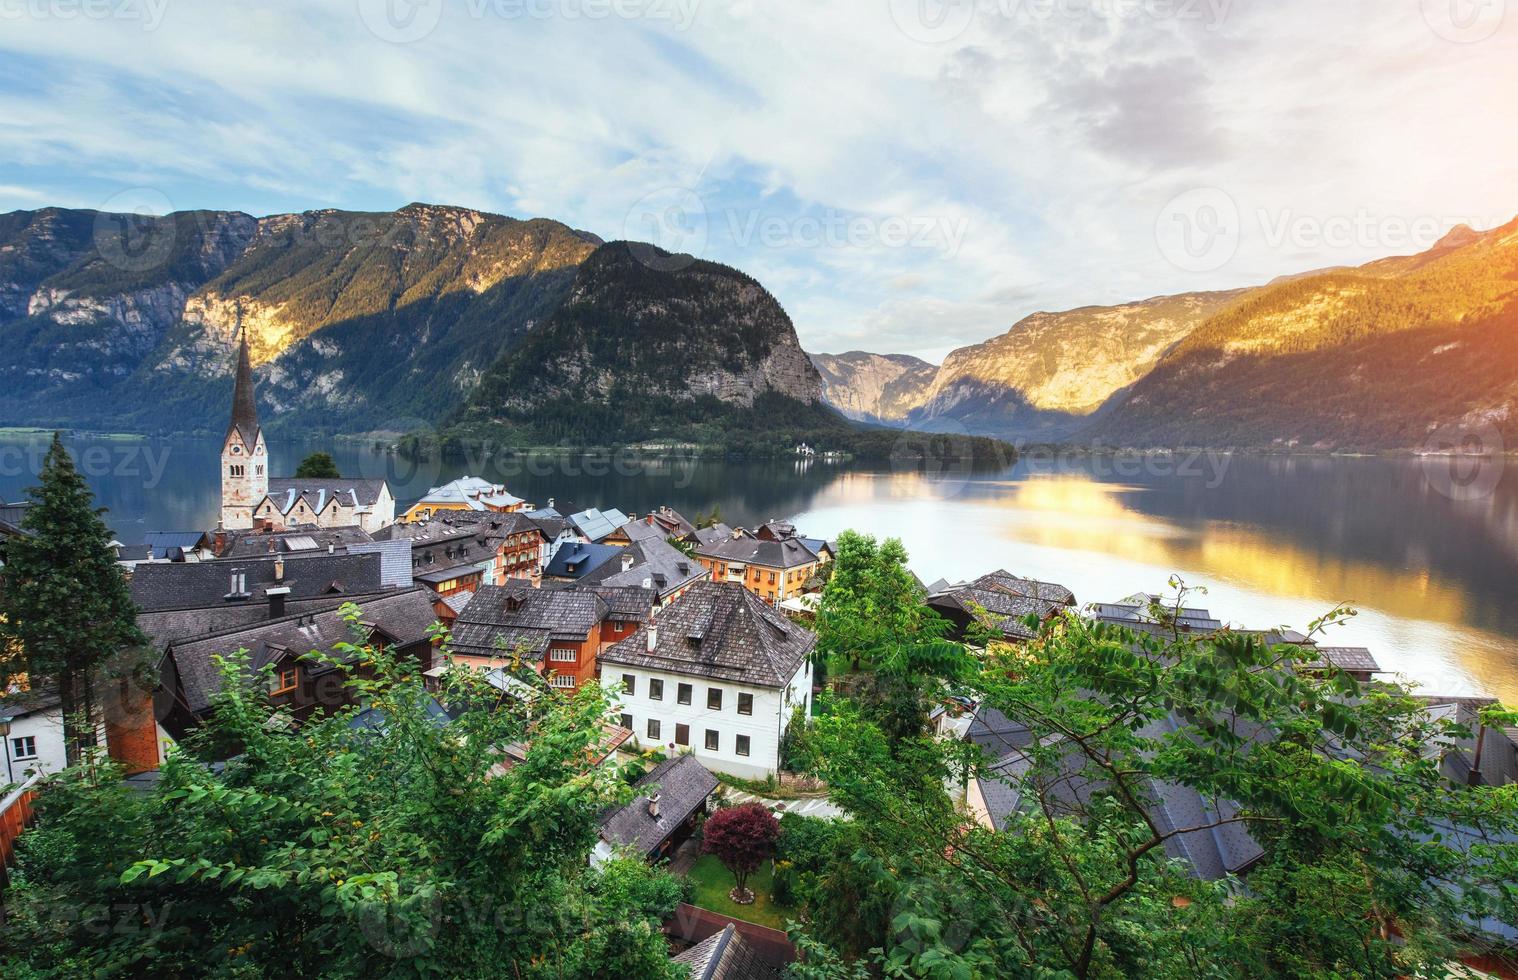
<point>653,806</point>
<point>653,638</point>
<point>1475,777</point>
<point>279,568</point>
<point>277,601</point>
<point>627,562</point>
<point>550,503</point>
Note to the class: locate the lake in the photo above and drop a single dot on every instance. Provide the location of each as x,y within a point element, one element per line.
<point>1426,550</point>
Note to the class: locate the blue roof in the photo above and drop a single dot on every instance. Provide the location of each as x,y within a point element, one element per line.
<point>374,719</point>
<point>578,559</point>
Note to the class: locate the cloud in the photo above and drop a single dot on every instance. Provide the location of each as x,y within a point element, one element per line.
<point>1027,158</point>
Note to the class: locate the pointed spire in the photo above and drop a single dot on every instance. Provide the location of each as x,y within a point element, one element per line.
<point>244,408</point>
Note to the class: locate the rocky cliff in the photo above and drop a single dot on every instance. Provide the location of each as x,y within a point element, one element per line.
<point>882,388</point>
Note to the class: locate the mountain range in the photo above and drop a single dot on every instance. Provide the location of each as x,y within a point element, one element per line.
<point>1402,353</point>
<point>437,317</point>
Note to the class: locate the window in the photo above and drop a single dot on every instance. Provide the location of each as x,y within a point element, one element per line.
<point>714,699</point>
<point>617,627</point>
<point>745,704</point>
<point>712,740</point>
<point>24,747</point>
<point>772,578</point>
<point>656,689</point>
<point>627,721</point>
<point>653,729</point>
<point>288,679</point>
<point>743,745</point>
<point>630,683</point>
<point>682,734</point>
<point>235,469</point>
<point>563,655</point>
<point>563,680</point>
<point>682,694</point>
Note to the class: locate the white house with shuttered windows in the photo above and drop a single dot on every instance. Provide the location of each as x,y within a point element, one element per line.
<point>719,674</point>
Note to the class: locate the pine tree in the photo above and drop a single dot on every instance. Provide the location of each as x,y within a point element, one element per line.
<point>64,607</point>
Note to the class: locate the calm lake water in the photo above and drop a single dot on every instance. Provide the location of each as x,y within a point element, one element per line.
<point>1428,555</point>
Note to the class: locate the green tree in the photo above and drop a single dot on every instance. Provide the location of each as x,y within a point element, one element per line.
<point>1367,863</point>
<point>404,846</point>
<point>65,613</point>
<point>872,614</point>
<point>318,466</point>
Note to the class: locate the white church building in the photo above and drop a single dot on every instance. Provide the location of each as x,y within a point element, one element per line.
<point>250,496</point>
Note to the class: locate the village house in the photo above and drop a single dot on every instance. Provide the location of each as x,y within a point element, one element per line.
<point>576,560</point>
<point>1001,603</point>
<point>671,798</point>
<point>299,684</point>
<point>673,523</point>
<point>250,495</point>
<point>459,552</point>
<point>467,494</point>
<point>651,563</point>
<point>597,525</point>
<point>719,674</point>
<point>563,631</point>
<point>31,733</point>
<point>556,531</point>
<point>774,570</point>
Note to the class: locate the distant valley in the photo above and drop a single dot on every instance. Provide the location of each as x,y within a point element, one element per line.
<point>1401,353</point>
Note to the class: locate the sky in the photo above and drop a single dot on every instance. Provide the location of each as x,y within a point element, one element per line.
<point>906,176</point>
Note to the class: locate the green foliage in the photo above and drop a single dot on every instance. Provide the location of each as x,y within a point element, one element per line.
<point>401,849</point>
<point>65,615</point>
<point>1357,826</point>
<point>318,466</point>
<point>872,617</point>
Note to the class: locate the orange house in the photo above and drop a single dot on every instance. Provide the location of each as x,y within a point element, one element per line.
<point>563,631</point>
<point>772,570</point>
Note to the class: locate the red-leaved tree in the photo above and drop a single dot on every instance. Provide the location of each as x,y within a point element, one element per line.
<point>743,838</point>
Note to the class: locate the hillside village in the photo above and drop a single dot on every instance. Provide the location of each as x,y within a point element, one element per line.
<point>704,635</point>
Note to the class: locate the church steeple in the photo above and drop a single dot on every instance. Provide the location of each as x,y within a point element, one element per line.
<point>244,408</point>
<point>244,457</point>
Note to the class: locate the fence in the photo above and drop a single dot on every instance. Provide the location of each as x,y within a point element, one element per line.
<point>15,815</point>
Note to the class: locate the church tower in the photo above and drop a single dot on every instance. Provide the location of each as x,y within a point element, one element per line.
<point>244,456</point>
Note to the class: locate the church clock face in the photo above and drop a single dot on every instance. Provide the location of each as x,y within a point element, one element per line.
<point>236,450</point>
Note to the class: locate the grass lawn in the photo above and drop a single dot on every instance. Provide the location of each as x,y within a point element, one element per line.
<point>712,883</point>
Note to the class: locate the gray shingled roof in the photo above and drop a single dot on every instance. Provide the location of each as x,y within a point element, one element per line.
<point>257,544</point>
<point>403,617</point>
<point>789,553</point>
<point>719,630</point>
<point>725,955</point>
<point>1212,853</point>
<point>1006,600</point>
<point>199,585</point>
<point>663,567</point>
<point>683,785</point>
<point>524,617</point>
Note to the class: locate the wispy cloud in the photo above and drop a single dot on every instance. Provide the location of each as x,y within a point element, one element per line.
<point>898,185</point>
